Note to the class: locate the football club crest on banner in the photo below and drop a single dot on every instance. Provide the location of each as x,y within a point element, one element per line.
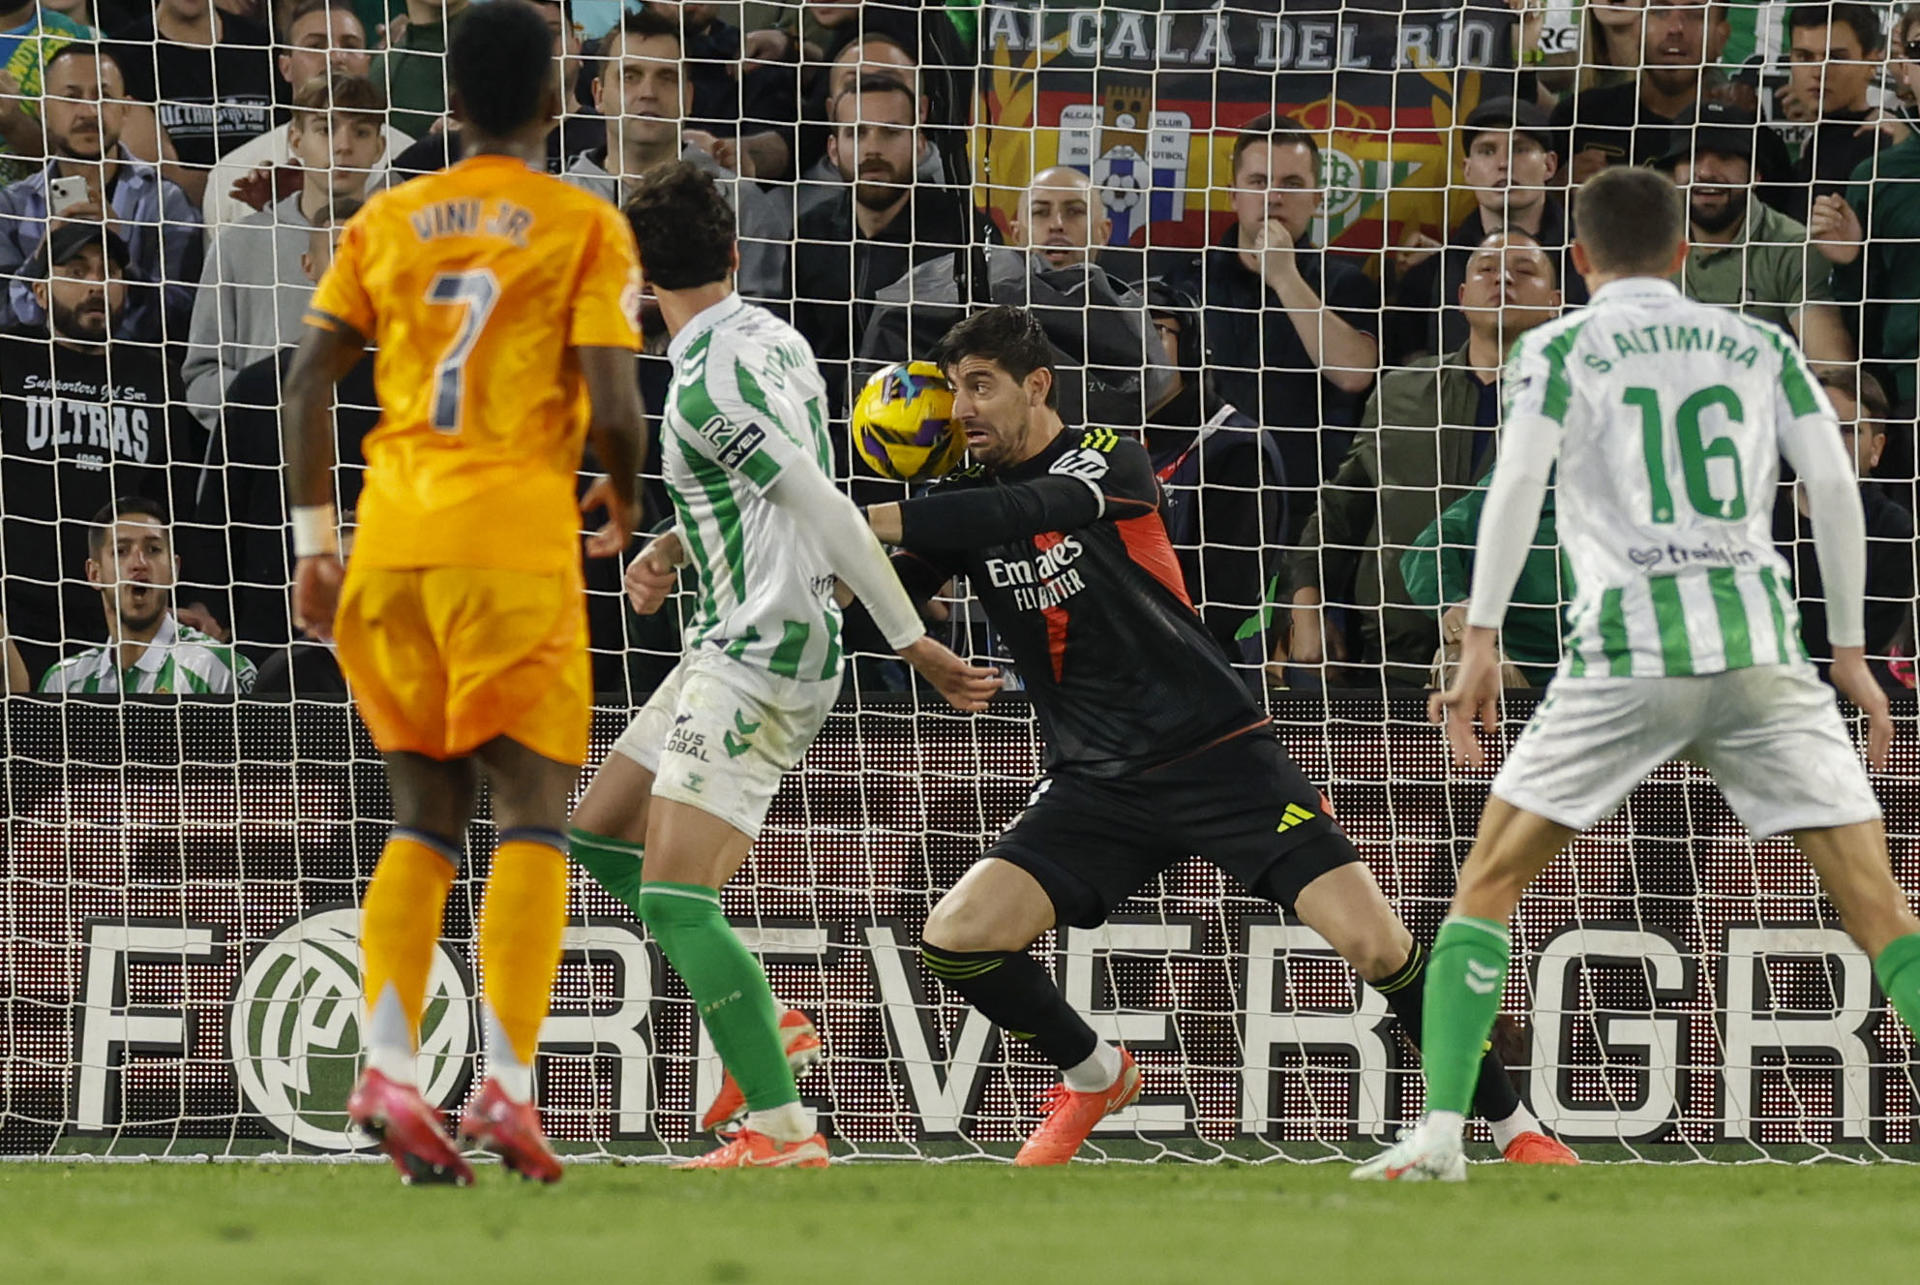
<point>1148,105</point>
<point>1136,157</point>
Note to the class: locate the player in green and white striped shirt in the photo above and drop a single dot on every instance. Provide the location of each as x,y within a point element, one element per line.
<point>1667,420</point>
<point>746,456</point>
<point>131,558</point>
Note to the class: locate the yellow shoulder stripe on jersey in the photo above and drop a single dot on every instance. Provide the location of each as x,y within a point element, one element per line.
<point>1100,439</point>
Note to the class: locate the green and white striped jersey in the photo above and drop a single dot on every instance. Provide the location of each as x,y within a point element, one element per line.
<point>747,403</point>
<point>1670,419</point>
<point>179,661</point>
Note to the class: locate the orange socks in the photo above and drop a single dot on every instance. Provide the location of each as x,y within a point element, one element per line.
<point>521,920</point>
<point>399,929</point>
<point>522,916</point>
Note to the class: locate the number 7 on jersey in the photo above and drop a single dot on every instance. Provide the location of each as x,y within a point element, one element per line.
<point>476,292</point>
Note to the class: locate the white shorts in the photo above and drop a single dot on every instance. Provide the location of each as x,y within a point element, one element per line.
<point>1770,735</point>
<point>718,734</point>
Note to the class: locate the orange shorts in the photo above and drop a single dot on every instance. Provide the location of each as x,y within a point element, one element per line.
<point>444,659</point>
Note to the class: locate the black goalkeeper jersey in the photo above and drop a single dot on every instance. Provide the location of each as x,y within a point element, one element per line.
<point>1068,553</point>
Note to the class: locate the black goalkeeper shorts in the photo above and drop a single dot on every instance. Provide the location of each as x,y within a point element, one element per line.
<point>1241,805</point>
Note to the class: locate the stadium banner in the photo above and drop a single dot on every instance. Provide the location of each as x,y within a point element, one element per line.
<point>178,971</point>
<point>1146,100</point>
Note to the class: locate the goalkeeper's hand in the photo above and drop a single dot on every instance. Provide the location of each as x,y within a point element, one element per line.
<point>1856,682</point>
<point>316,594</point>
<point>1475,695</point>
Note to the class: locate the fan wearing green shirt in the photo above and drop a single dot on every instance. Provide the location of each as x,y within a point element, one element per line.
<point>1742,252</point>
<point>413,65</point>
<point>1438,570</point>
<point>150,650</point>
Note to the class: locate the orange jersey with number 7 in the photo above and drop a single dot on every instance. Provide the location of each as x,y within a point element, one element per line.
<point>476,284</point>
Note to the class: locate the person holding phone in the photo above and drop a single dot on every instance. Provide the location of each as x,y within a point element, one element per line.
<point>91,177</point>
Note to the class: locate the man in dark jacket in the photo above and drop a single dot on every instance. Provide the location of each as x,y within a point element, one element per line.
<point>1222,488</point>
<point>1432,437</point>
<point>1098,326</point>
<point>889,265</point>
<point>243,490</point>
<point>1510,161</point>
<point>1836,51</point>
<point>1872,237</point>
<point>1890,545</point>
<point>1291,332</point>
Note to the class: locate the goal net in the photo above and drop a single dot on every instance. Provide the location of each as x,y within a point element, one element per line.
<point>183,865</point>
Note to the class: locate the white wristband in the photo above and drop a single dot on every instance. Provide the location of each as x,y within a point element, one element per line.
<point>315,531</point>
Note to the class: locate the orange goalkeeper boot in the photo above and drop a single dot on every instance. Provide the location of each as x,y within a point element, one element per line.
<point>1071,1116</point>
<point>1535,1148</point>
<point>802,1042</point>
<point>408,1130</point>
<point>748,1149</point>
<point>511,1130</point>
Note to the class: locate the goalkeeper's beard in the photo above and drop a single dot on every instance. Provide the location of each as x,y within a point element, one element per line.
<point>1003,447</point>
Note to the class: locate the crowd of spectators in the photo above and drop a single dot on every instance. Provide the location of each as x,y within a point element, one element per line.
<point>174,174</point>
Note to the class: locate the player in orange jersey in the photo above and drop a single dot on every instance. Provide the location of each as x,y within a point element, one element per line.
<point>501,303</point>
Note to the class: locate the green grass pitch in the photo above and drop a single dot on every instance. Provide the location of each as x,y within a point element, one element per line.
<point>971,1224</point>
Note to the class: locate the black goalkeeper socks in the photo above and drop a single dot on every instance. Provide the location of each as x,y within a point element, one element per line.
<point>1494,1097</point>
<point>1015,993</point>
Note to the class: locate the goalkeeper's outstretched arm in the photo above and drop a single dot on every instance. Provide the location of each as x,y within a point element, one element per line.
<point>980,516</point>
<point>820,509</point>
<point>856,557</point>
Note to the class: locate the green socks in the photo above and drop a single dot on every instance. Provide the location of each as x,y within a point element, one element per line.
<point>1898,972</point>
<point>1465,977</point>
<point>1468,973</point>
<point>614,864</point>
<point>726,981</point>
<point>727,984</point>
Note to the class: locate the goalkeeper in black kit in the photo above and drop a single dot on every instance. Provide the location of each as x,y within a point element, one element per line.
<point>1154,748</point>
